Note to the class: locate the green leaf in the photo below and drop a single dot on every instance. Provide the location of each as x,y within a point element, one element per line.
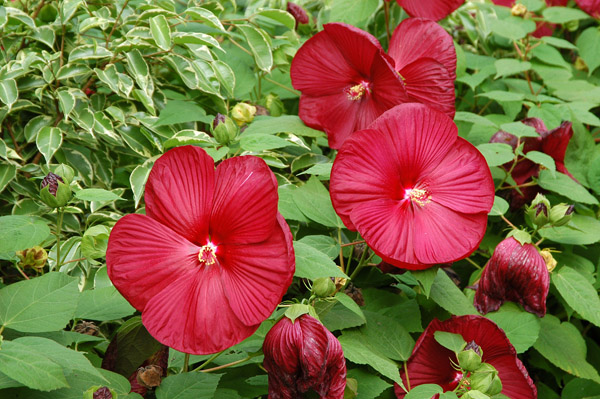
<point>30,367</point>
<point>335,315</point>
<point>496,154</point>
<point>588,44</point>
<point>563,345</point>
<point>541,159</point>
<point>260,46</point>
<point>510,66</point>
<point>507,28</point>
<point>178,111</point>
<point>188,386</point>
<point>500,207</point>
<point>502,96</point>
<point>561,15</point>
<point>66,100</point>
<point>281,124</point>
<point>474,119</point>
<point>281,16</point>
<point>558,42</point>
<point>352,12</point>
<point>8,92</point>
<point>451,341</point>
<point>21,232</point>
<point>519,129</point>
<point>387,335</point>
<point>206,16</point>
<point>45,303</point>
<point>325,244</point>
<point>287,206</point>
<point>84,53</point>
<point>48,141</point>
<point>102,304</point>
<point>522,328</point>
<point>96,194</point>
<point>33,127</point>
<point>564,185</point>
<point>7,174</point>
<point>446,294</point>
<point>370,386</point>
<point>312,263</point>
<point>581,230</point>
<point>95,241</point>
<point>262,142</point>
<point>549,55</point>
<point>424,391</point>
<point>139,69</point>
<point>137,180</point>
<point>313,200</point>
<point>578,292</point>
<point>579,388</point>
<point>161,32</point>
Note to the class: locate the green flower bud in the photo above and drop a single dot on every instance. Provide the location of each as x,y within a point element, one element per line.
<point>274,105</point>
<point>561,214</point>
<point>482,378</point>
<point>539,210</point>
<point>65,171</point>
<point>572,26</point>
<point>470,357</point>
<point>323,287</point>
<point>243,113</point>
<point>224,129</point>
<point>495,388</point>
<point>55,193</point>
<point>474,394</point>
<point>35,258</point>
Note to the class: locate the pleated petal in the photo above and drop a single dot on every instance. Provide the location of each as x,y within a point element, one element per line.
<point>245,202</point>
<point>256,276</point>
<point>144,256</point>
<point>431,9</point>
<point>179,191</point>
<point>192,315</point>
<point>429,82</point>
<point>462,180</point>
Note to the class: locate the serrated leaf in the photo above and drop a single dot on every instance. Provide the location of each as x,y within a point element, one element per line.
<point>522,328</point>
<point>387,335</point>
<point>313,200</point>
<point>259,45</point>
<point>45,303</point>
<point>18,232</point>
<point>48,141</point>
<point>352,12</point>
<point>542,159</point>
<point>424,391</point>
<point>578,292</point>
<point>161,32</point>
<point>496,154</point>
<point>581,230</point>
<point>510,66</point>
<point>312,263</point>
<point>450,341</point>
<point>281,124</point>
<point>519,129</point>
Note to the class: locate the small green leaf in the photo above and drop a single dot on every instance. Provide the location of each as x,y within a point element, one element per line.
<point>137,180</point>
<point>519,129</point>
<point>500,206</point>
<point>96,194</point>
<point>510,66</point>
<point>312,263</point>
<point>260,46</point>
<point>7,174</point>
<point>496,154</point>
<point>161,32</point>
<point>84,53</point>
<point>48,141</point>
<point>352,12</point>
<point>21,232</point>
<point>451,341</point>
<point>281,124</point>
<point>424,390</point>
<point>206,16</point>
<point>578,292</point>
<point>8,92</point>
<point>542,159</point>
<point>262,142</point>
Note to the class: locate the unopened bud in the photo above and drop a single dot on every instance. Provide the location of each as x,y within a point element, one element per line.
<point>243,113</point>
<point>549,259</point>
<point>474,394</point>
<point>495,388</point>
<point>561,214</point>
<point>35,258</point>
<point>149,376</point>
<point>224,129</point>
<point>539,210</point>
<point>298,13</point>
<point>518,10</point>
<point>323,287</point>
<point>274,105</point>
<point>97,392</point>
<point>580,64</point>
<point>469,359</point>
<point>482,378</point>
<point>66,172</point>
<point>572,26</point>
<point>54,192</point>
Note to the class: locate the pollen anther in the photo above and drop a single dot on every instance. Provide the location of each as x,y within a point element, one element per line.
<point>207,254</point>
<point>418,196</point>
<point>356,92</point>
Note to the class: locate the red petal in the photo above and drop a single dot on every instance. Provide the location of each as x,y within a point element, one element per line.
<point>432,9</point>
<point>592,7</point>
<point>179,191</point>
<point>418,38</point>
<point>555,143</point>
<point>462,180</point>
<point>192,315</point>
<point>256,276</point>
<point>144,257</point>
<point>245,202</point>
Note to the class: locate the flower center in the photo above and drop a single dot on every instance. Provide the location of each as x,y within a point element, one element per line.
<point>208,254</point>
<point>419,196</point>
<point>356,92</point>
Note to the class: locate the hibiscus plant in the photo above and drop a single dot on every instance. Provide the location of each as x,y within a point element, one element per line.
<point>299,199</point>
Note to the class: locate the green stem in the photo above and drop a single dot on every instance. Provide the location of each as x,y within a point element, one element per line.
<point>386,7</point>
<point>276,83</point>
<point>361,264</point>
<point>186,362</point>
<point>231,364</point>
<point>208,361</point>
<point>59,222</point>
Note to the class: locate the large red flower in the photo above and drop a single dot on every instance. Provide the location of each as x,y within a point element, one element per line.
<point>212,257</point>
<point>431,9</point>
<point>592,7</point>
<point>302,355</point>
<point>516,273</point>
<point>425,57</point>
<point>346,81</point>
<point>431,363</point>
<point>553,143</point>
<point>417,193</point>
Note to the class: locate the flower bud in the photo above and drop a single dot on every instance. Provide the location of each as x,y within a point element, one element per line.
<point>572,26</point>
<point>580,64</point>
<point>470,357</point>
<point>482,378</point>
<point>561,214</point>
<point>149,376</point>
<point>97,392</point>
<point>518,10</point>
<point>298,13</point>
<point>274,105</point>
<point>54,192</point>
<point>539,211</point>
<point>495,388</point>
<point>35,258</point>
<point>474,394</point>
<point>224,129</point>
<point>65,171</point>
<point>243,113</point>
<point>323,287</point>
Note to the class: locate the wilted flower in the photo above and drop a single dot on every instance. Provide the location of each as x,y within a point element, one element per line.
<point>211,258</point>
<point>431,363</point>
<point>516,273</point>
<point>553,143</point>
<point>592,7</point>
<point>430,9</point>
<point>416,192</point>
<point>35,257</point>
<point>243,113</point>
<point>302,355</point>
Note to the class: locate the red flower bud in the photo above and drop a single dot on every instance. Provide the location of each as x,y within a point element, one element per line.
<point>51,181</point>
<point>103,393</point>
<point>297,12</point>
<point>302,355</point>
<point>516,273</point>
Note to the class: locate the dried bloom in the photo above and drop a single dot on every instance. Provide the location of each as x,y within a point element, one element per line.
<point>516,273</point>
<point>302,355</point>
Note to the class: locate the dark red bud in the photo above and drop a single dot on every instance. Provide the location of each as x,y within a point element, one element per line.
<point>539,208</point>
<point>297,12</point>
<point>103,393</point>
<point>570,210</point>
<point>88,92</point>
<point>473,346</point>
<point>220,118</point>
<point>51,181</point>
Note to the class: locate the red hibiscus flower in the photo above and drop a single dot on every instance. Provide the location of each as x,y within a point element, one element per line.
<point>211,258</point>
<point>430,9</point>
<point>346,81</point>
<point>516,273</point>
<point>592,7</point>
<point>302,355</point>
<point>553,143</point>
<point>431,363</point>
<point>425,57</point>
<point>416,192</point>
